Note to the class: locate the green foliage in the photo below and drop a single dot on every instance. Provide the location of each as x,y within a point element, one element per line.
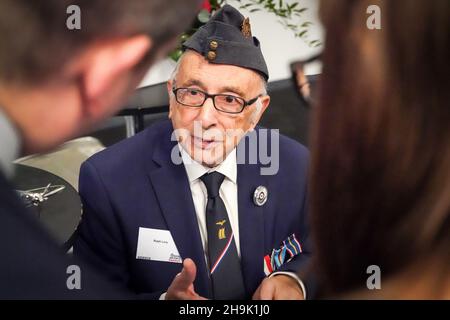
<point>289,13</point>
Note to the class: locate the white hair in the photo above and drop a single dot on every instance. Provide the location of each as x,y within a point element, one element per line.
<point>174,73</point>
<point>177,68</point>
<point>264,84</point>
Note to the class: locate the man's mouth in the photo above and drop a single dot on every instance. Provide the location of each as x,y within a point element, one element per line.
<point>204,143</point>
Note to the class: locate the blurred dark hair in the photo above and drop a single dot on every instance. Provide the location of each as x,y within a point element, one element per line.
<point>35,41</point>
<point>380,180</point>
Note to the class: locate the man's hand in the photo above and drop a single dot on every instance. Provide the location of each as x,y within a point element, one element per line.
<point>281,287</point>
<point>182,286</point>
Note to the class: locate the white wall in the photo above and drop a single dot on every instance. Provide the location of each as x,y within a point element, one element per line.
<point>279,45</point>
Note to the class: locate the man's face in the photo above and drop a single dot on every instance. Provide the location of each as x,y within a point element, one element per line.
<point>207,134</point>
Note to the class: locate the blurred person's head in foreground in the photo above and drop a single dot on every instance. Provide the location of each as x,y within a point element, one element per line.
<point>381,150</point>
<point>55,83</point>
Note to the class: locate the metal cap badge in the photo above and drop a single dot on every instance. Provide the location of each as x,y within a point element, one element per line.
<point>246,29</point>
<point>260,196</point>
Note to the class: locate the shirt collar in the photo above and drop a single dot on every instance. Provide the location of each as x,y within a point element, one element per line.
<point>195,170</point>
<point>9,145</point>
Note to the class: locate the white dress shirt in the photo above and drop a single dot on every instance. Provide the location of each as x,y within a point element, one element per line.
<point>228,193</point>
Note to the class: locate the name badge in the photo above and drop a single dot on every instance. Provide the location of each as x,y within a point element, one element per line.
<point>157,245</point>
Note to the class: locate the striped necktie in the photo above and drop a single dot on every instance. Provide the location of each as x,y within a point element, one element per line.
<point>224,263</point>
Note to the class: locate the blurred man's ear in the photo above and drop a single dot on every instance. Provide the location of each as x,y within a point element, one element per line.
<point>108,72</point>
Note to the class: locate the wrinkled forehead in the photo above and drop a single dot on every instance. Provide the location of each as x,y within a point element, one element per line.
<point>194,67</point>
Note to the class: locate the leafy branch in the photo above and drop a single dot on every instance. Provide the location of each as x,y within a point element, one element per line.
<point>290,16</point>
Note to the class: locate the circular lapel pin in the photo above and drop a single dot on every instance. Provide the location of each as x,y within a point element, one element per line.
<point>260,196</point>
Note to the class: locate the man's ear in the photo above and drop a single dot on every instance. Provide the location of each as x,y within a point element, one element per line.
<point>108,63</point>
<point>257,114</point>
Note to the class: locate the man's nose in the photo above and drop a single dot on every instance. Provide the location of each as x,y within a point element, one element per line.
<point>208,114</point>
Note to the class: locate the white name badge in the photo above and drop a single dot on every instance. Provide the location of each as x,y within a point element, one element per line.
<point>157,245</point>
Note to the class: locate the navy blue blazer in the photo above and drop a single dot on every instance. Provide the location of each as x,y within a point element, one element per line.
<point>135,184</point>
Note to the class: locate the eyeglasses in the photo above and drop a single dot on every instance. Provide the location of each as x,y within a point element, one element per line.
<point>222,102</point>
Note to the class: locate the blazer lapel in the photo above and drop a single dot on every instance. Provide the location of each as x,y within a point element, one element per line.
<point>251,226</point>
<point>172,189</point>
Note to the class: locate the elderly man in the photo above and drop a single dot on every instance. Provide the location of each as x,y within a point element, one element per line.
<point>178,211</point>
<point>55,83</point>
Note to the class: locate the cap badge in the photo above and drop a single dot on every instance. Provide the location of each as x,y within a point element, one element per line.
<point>246,29</point>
